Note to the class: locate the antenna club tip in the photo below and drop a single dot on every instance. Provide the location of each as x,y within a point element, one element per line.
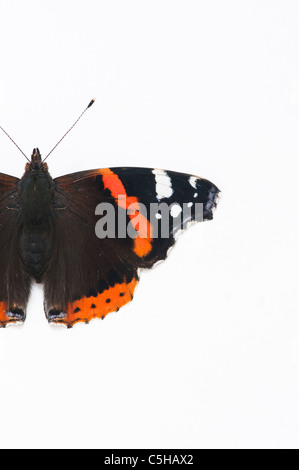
<point>91,103</point>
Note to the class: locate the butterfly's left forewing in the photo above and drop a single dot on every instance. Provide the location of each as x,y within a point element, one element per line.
<point>170,201</point>
<point>90,276</point>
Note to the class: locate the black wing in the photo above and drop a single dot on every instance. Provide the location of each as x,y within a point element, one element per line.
<point>14,280</point>
<point>90,276</point>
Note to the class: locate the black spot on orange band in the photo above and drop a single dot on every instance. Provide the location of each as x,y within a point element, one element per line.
<point>110,300</point>
<point>13,315</point>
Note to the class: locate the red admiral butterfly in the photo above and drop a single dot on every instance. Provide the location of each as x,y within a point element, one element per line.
<point>50,233</point>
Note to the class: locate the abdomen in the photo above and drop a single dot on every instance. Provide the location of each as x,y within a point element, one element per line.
<point>35,249</point>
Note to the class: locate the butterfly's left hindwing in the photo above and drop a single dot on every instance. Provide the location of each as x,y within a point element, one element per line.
<point>88,276</point>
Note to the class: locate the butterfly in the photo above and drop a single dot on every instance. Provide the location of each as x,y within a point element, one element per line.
<point>57,232</point>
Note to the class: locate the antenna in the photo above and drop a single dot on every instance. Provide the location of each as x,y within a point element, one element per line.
<point>14,143</point>
<point>87,107</point>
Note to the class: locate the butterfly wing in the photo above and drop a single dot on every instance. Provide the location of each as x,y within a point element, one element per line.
<point>7,185</point>
<point>14,281</point>
<point>171,201</point>
<point>86,277</point>
<point>89,276</point>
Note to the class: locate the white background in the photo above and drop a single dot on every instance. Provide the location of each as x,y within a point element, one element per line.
<point>207,354</point>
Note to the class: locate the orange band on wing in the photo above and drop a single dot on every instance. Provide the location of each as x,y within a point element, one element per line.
<point>4,319</point>
<point>3,316</point>
<point>143,242</point>
<point>110,300</point>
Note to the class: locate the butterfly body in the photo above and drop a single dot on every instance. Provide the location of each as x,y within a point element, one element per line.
<point>51,231</point>
<point>36,208</point>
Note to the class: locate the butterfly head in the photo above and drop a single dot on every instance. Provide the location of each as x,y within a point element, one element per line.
<point>36,161</point>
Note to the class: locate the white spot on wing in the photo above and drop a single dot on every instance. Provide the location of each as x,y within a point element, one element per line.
<point>163,184</point>
<point>193,180</point>
<point>175,210</point>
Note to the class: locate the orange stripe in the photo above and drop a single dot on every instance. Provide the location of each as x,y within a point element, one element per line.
<point>4,319</point>
<point>3,316</point>
<point>143,242</point>
<point>110,300</point>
